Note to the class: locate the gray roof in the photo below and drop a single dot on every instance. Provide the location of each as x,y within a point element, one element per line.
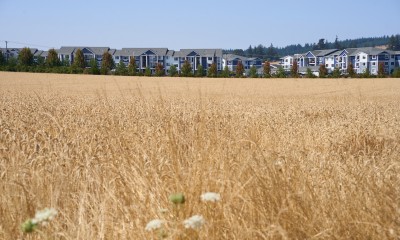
<point>370,51</point>
<point>201,52</point>
<point>94,50</point>
<point>65,50</point>
<point>170,53</point>
<point>231,57</point>
<point>140,51</point>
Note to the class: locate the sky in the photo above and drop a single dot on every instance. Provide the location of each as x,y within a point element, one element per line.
<point>179,24</point>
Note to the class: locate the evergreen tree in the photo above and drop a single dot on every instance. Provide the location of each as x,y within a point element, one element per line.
<point>52,59</point>
<point>239,69</point>
<point>336,73</point>
<point>281,73</point>
<point>253,72</point>
<point>350,70</point>
<point>107,63</point>
<point>147,72</point>
<point>381,70</point>
<point>94,69</point>
<point>226,73</point>
<point>212,71</point>
<point>267,69</point>
<point>249,51</point>
<point>160,70</point>
<point>121,69</point>
<point>173,72</point>
<point>132,67</point>
<point>186,70</point>
<point>65,62</point>
<point>337,45</point>
<point>294,71</point>
<point>322,71</point>
<point>396,73</point>
<point>309,73</point>
<point>25,57</point>
<point>79,59</point>
<point>2,59</point>
<point>321,45</point>
<point>200,71</point>
<point>271,53</point>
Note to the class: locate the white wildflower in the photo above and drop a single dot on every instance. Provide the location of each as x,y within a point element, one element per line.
<point>44,216</point>
<point>194,222</point>
<point>210,197</point>
<point>154,224</point>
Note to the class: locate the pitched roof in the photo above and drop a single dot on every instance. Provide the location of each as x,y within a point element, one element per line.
<point>94,50</point>
<point>140,51</point>
<point>231,57</point>
<point>370,51</point>
<point>202,52</point>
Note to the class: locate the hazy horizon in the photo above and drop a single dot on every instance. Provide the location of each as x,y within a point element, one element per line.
<point>207,24</point>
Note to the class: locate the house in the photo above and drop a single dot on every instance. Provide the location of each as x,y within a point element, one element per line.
<point>287,62</point>
<point>89,53</point>
<point>232,60</point>
<point>14,52</point>
<point>143,57</point>
<point>66,54</point>
<point>196,57</point>
<point>254,61</point>
<point>369,59</point>
<point>40,54</point>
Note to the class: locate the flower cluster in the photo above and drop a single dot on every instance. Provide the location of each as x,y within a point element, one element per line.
<point>195,222</point>
<point>210,197</point>
<point>41,217</point>
<point>154,225</point>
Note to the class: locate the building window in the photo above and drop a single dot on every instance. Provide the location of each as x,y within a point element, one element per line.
<point>357,65</point>
<point>392,56</point>
<point>326,65</point>
<point>364,57</point>
<point>386,57</point>
<point>363,64</point>
<point>209,58</point>
<point>373,63</point>
<point>175,59</point>
<point>373,56</point>
<point>392,63</point>
<point>117,57</point>
<point>374,70</point>
<point>386,63</point>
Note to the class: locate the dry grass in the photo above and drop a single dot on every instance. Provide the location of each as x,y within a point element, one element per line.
<point>292,159</point>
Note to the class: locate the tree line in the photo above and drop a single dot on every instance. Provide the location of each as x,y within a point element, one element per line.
<point>272,53</point>
<point>25,62</point>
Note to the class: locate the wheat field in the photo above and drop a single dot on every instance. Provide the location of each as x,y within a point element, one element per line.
<point>290,158</point>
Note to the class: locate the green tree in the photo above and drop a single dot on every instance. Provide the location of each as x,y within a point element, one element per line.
<point>147,72</point>
<point>173,72</point>
<point>52,59</point>
<point>2,59</point>
<point>132,67</point>
<point>160,70</point>
<point>396,73</point>
<point>79,59</point>
<point>186,70</point>
<point>226,73</point>
<point>267,69</point>
<point>239,69</point>
<point>350,70</point>
<point>107,63</point>
<point>336,73</point>
<point>309,73</point>
<point>253,72</point>
<point>200,71</point>
<point>121,69</point>
<point>381,70</point>
<point>294,70</point>
<point>94,69</point>
<point>336,44</point>
<point>212,71</point>
<point>25,57</point>
<point>322,71</point>
<point>321,45</point>
<point>281,72</point>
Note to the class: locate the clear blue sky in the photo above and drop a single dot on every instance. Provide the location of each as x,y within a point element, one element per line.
<point>192,24</point>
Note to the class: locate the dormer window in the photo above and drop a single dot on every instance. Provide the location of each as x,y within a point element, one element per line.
<point>373,56</point>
